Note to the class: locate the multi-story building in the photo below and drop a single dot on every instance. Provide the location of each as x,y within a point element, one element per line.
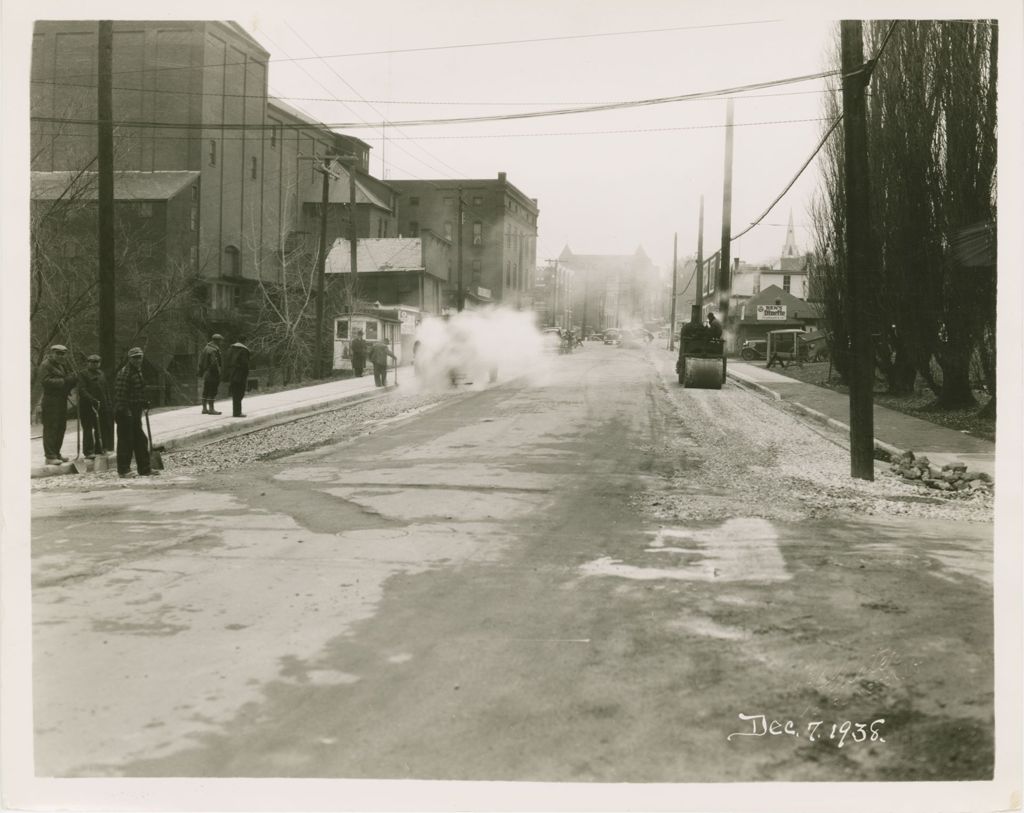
<point>191,96</point>
<point>499,233</point>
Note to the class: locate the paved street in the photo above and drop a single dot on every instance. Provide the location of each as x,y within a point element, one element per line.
<point>585,575</point>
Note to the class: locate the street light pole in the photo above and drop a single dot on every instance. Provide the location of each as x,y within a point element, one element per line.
<point>460,300</point>
<point>321,267</point>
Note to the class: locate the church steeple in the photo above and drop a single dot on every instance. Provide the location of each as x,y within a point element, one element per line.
<point>789,249</point>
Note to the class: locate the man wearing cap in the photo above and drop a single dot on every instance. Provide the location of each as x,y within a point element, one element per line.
<point>209,370</point>
<point>129,403</point>
<point>379,352</point>
<point>94,408</point>
<point>358,353</point>
<point>57,381</point>
<point>238,379</point>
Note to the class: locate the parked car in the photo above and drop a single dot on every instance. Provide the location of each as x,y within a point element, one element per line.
<point>754,349</point>
<point>613,336</point>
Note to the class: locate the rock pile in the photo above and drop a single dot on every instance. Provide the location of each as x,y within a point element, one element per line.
<point>951,477</point>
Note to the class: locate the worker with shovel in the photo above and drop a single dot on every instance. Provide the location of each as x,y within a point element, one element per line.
<point>94,408</point>
<point>129,404</point>
<point>57,380</point>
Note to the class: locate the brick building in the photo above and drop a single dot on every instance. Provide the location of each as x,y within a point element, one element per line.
<point>499,233</point>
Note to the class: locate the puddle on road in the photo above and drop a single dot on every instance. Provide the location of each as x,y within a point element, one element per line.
<point>743,549</point>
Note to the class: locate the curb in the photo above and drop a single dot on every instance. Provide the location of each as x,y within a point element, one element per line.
<point>813,413</point>
<point>223,430</point>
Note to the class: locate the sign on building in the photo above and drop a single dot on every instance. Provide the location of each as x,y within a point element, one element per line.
<point>771,313</point>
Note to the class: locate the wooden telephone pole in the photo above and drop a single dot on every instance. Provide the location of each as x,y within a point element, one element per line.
<point>698,298</point>
<point>724,277</point>
<point>858,254</point>
<point>675,276</point>
<point>460,296</point>
<point>105,235</point>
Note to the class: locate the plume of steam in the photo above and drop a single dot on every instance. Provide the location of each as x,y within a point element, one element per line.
<point>475,348</point>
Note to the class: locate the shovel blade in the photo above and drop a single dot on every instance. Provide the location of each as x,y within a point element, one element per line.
<point>156,460</point>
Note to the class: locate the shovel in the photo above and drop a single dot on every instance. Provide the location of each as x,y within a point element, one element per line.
<point>79,463</point>
<point>100,463</point>
<point>156,460</point>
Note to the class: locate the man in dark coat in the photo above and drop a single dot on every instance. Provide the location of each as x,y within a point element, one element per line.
<point>714,326</point>
<point>358,353</point>
<point>379,353</point>
<point>210,370</point>
<point>238,377</point>
<point>57,380</point>
<point>94,408</point>
<point>129,404</point>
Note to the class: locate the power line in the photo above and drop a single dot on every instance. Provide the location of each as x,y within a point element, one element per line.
<point>459,46</point>
<point>472,119</point>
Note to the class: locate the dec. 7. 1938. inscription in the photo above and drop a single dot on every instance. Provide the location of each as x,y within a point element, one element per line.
<point>814,730</point>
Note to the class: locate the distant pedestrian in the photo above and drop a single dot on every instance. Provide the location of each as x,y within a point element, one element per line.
<point>57,380</point>
<point>379,353</point>
<point>210,367</point>
<point>129,404</point>
<point>94,409</point>
<point>238,377</point>
<point>714,326</point>
<point>359,350</point>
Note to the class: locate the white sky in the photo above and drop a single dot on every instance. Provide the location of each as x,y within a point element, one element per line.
<point>600,193</point>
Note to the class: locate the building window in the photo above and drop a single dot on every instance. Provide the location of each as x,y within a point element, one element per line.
<point>508,273</point>
<point>478,233</point>
<point>193,219</point>
<point>414,228</point>
<point>252,167</point>
<point>414,201</point>
<point>193,255</point>
<point>785,283</point>
<point>213,152</point>
<point>232,261</point>
<point>273,137</point>
<point>195,193</point>
<point>477,265</point>
<point>448,231</point>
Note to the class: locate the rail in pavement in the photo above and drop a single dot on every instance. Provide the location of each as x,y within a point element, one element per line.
<point>174,428</point>
<point>894,431</point>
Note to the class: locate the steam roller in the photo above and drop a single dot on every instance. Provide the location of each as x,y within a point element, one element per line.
<point>701,363</point>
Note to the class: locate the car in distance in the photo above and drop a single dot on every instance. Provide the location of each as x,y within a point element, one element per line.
<point>754,349</point>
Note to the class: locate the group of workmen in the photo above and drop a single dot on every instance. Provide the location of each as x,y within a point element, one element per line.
<point>99,413</point>
<point>377,353</point>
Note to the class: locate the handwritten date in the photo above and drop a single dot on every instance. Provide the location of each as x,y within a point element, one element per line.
<point>837,734</point>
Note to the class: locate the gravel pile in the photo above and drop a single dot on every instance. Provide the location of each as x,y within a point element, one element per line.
<point>781,467</point>
<point>264,444</point>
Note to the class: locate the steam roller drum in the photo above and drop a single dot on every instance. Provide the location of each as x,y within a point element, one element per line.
<point>703,374</point>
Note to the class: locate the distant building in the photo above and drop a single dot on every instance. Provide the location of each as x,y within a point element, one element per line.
<point>499,234</point>
<point>613,290</point>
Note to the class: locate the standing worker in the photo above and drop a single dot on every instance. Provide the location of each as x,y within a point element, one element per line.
<point>714,326</point>
<point>379,353</point>
<point>57,380</point>
<point>94,409</point>
<point>358,353</point>
<point>129,404</point>
<point>238,378</point>
<point>209,370</point>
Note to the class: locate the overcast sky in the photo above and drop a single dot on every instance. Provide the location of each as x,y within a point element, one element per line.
<point>606,182</point>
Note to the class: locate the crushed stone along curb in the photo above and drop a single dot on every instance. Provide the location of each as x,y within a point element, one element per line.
<point>777,466</point>
<point>264,444</point>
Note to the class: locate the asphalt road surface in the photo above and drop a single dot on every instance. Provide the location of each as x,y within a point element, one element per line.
<point>587,577</point>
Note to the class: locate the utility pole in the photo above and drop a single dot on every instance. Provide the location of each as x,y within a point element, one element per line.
<point>105,158</point>
<point>353,239</point>
<point>321,267</point>
<point>586,292</point>
<point>858,234</point>
<point>675,275</point>
<point>698,298</point>
<point>460,299</point>
<point>724,285</point>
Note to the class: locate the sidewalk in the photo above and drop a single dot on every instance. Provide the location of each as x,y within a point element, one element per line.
<point>181,426</point>
<point>894,431</point>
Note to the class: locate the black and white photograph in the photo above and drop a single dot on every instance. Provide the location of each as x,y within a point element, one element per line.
<point>566,405</point>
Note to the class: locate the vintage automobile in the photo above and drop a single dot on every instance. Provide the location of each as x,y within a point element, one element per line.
<point>754,349</point>
<point>613,336</point>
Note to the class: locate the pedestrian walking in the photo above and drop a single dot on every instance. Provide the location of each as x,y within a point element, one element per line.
<point>57,379</point>
<point>210,367</point>
<point>129,404</point>
<point>379,353</point>
<point>94,409</point>
<point>238,376</point>
<point>359,350</point>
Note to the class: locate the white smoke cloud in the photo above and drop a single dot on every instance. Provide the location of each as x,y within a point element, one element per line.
<point>475,348</point>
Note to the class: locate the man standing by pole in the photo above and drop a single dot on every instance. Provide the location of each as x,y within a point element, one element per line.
<point>129,404</point>
<point>57,381</point>
<point>858,271</point>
